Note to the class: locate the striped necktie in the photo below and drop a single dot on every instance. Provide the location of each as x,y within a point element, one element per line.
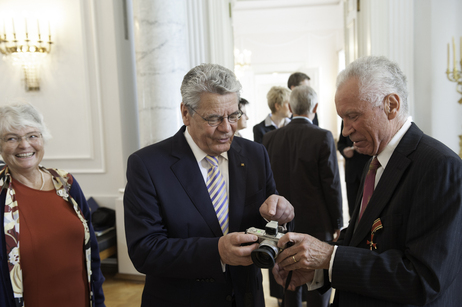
<point>216,186</point>
<point>369,185</point>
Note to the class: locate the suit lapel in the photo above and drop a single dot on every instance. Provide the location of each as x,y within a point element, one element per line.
<point>236,193</point>
<point>352,227</point>
<point>390,179</point>
<point>188,174</point>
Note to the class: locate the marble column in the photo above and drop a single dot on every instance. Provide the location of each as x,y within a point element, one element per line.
<point>160,30</point>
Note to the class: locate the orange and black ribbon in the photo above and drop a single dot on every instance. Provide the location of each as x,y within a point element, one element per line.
<point>376,226</point>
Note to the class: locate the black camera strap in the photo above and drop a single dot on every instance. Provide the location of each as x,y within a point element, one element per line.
<point>289,277</point>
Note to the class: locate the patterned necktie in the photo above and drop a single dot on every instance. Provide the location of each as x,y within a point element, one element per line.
<point>369,184</point>
<point>217,189</point>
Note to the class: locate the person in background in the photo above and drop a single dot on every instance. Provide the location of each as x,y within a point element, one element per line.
<point>49,250</point>
<point>354,166</point>
<point>304,162</point>
<point>402,246</point>
<point>189,199</point>
<point>300,78</point>
<point>278,102</point>
<point>242,122</point>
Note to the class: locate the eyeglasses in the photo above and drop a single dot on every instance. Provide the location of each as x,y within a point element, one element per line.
<point>215,120</point>
<point>31,138</point>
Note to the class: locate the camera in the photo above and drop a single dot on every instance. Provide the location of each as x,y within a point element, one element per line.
<point>264,255</point>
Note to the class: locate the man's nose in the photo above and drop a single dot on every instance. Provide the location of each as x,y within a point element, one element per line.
<point>225,125</point>
<point>347,129</point>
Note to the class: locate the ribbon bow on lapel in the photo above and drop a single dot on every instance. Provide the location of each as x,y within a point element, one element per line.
<point>376,226</point>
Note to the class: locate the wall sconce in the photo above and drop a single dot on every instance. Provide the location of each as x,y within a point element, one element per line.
<point>26,48</point>
<point>455,75</point>
<point>242,60</point>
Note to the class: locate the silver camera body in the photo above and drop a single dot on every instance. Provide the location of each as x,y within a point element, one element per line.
<point>264,256</point>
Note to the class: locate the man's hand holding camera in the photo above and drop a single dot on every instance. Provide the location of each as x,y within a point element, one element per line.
<point>231,250</point>
<point>277,208</point>
<point>303,257</point>
<point>236,248</point>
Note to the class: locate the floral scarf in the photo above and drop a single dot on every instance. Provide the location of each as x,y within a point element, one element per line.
<point>62,182</point>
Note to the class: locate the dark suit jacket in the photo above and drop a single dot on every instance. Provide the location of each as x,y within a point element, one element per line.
<point>418,260</point>
<point>172,230</point>
<point>304,162</point>
<point>260,129</point>
<point>354,166</point>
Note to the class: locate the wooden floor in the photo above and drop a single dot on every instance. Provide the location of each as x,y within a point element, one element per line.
<point>123,293</point>
<point>120,293</point>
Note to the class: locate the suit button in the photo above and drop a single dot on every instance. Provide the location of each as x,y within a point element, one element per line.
<point>229,298</point>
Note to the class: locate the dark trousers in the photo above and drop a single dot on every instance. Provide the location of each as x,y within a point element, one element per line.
<point>301,294</point>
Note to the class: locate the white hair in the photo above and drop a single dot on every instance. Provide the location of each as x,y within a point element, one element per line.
<point>208,78</point>
<point>19,116</point>
<point>378,77</point>
<point>303,99</point>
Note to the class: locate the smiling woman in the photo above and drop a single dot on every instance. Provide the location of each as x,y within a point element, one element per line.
<point>49,204</point>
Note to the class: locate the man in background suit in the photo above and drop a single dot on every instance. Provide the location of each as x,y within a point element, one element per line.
<point>354,166</point>
<point>173,233</point>
<point>405,249</point>
<point>304,162</point>
<point>299,78</point>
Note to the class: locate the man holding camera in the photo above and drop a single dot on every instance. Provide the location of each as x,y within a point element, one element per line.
<point>402,246</point>
<point>190,198</point>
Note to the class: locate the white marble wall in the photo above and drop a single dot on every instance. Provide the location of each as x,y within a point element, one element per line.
<point>161,63</point>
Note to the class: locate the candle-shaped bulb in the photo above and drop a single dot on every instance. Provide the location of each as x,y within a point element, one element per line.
<point>454,51</point>
<point>448,57</point>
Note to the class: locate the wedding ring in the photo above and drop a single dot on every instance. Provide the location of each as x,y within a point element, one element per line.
<point>293,257</point>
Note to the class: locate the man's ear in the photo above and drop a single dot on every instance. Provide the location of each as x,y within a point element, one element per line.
<point>290,109</point>
<point>392,105</point>
<point>185,114</point>
<point>315,108</point>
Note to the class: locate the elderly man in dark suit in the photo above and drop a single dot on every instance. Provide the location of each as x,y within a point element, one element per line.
<point>190,198</point>
<point>304,162</point>
<point>402,247</point>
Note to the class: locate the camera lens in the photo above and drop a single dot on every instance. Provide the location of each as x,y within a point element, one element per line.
<point>263,257</point>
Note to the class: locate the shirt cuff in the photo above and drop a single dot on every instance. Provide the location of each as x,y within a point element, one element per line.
<point>331,263</point>
<point>318,280</point>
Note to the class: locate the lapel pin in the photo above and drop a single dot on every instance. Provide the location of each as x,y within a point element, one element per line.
<point>242,164</point>
<point>376,226</point>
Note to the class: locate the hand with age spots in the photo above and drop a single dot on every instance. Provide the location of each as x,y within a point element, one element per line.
<point>299,277</point>
<point>303,257</point>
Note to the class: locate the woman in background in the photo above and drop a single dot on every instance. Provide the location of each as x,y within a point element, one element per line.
<point>278,102</point>
<point>242,122</point>
<point>51,250</point>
